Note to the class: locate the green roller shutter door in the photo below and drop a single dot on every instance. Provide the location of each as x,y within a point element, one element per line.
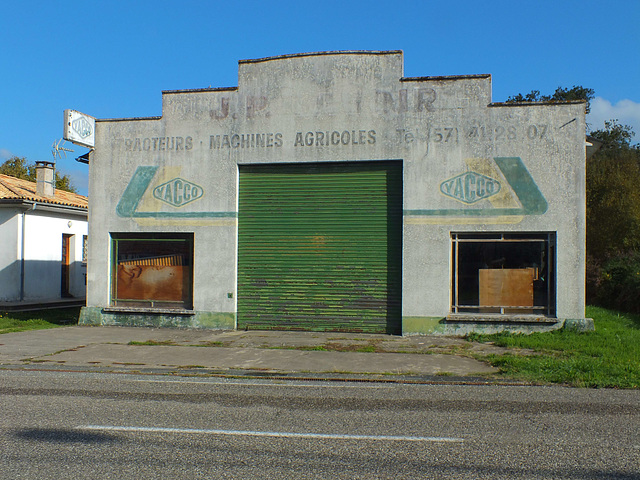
<point>320,247</point>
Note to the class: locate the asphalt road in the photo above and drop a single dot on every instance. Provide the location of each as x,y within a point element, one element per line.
<point>56,425</point>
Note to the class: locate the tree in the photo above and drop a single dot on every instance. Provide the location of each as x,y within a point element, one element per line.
<point>613,197</point>
<point>19,168</point>
<point>613,220</point>
<point>16,167</point>
<point>560,95</point>
<point>614,136</point>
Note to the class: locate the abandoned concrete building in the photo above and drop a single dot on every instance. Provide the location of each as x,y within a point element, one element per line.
<point>327,191</point>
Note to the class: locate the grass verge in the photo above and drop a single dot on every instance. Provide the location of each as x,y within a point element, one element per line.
<point>38,320</point>
<point>607,357</point>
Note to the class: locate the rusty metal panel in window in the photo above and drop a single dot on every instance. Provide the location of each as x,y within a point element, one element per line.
<point>320,247</point>
<point>152,271</point>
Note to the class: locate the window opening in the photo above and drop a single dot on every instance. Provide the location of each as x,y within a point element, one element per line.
<point>65,279</point>
<point>500,273</point>
<point>152,270</point>
<point>85,248</point>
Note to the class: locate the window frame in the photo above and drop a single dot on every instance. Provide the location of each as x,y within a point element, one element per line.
<point>186,242</point>
<point>548,239</point>
<point>85,249</point>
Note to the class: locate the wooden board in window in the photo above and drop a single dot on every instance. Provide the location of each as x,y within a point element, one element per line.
<point>509,287</point>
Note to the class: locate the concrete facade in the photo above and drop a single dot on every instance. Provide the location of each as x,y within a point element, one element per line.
<point>470,166</point>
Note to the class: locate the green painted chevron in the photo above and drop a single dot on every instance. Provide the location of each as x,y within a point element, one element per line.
<point>136,189</point>
<point>522,184</point>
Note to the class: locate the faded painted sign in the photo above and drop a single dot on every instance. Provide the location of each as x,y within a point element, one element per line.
<point>470,187</point>
<point>178,192</point>
<point>149,192</point>
<point>510,202</point>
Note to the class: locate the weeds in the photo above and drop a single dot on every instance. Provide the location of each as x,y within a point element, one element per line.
<point>38,320</point>
<point>214,343</point>
<point>153,342</point>
<point>606,357</point>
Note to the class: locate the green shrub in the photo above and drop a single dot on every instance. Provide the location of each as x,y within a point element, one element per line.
<point>618,283</point>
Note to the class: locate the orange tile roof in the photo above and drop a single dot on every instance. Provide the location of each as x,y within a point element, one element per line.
<point>12,188</point>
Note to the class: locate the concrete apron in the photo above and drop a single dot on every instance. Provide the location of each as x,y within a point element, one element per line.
<point>275,352</point>
<point>266,360</point>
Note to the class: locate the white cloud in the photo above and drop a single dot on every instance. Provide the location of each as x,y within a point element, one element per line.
<point>5,154</point>
<point>626,111</point>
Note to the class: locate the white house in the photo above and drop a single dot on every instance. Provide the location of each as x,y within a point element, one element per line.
<point>43,241</point>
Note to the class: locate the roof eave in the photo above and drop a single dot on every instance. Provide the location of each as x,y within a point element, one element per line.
<point>34,204</point>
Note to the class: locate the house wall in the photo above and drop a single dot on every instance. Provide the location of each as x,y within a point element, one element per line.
<point>342,107</point>
<point>42,247</point>
<point>43,254</point>
<point>10,222</point>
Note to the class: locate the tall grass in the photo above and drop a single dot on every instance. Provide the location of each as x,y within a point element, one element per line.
<point>607,357</point>
<point>37,320</point>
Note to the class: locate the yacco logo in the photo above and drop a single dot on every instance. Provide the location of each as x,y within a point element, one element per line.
<point>82,127</point>
<point>178,192</point>
<point>470,187</point>
<point>516,196</point>
<point>174,192</point>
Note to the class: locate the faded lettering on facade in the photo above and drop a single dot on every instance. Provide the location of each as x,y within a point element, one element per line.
<point>336,137</point>
<point>421,100</point>
<point>245,140</point>
<point>158,144</point>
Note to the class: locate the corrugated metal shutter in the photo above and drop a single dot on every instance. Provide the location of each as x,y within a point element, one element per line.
<point>320,247</point>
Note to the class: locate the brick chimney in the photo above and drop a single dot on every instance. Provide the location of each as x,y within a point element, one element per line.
<point>45,179</point>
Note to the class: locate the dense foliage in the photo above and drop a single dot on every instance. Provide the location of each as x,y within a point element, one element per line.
<point>613,220</point>
<point>19,168</point>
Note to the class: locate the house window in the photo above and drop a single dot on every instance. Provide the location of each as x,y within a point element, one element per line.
<point>500,273</point>
<point>152,270</point>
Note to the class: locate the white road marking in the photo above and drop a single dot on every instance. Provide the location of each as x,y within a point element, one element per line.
<point>329,436</point>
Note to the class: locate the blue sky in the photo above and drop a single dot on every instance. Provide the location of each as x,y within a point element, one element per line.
<point>112,59</point>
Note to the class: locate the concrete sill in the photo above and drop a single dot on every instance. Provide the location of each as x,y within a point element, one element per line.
<point>497,318</point>
<point>147,311</point>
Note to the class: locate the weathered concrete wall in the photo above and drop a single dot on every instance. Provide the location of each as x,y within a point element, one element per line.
<point>353,106</point>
